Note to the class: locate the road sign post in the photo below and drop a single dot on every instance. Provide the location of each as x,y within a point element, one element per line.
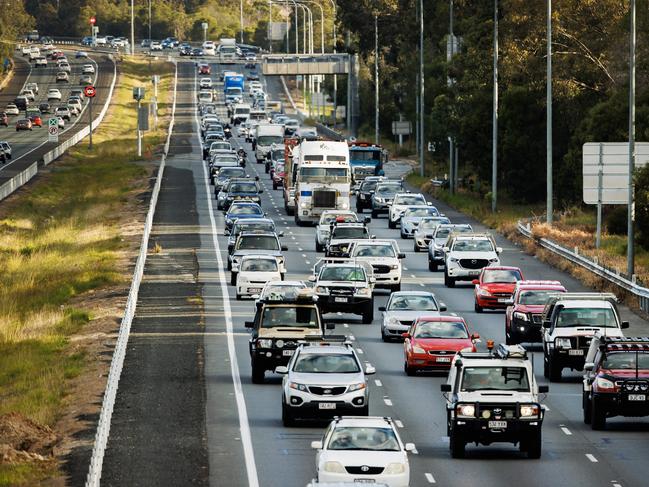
<point>89,92</point>
<point>138,95</point>
<point>53,129</point>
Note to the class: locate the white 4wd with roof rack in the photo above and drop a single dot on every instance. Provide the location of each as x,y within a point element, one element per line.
<point>493,397</point>
<point>400,202</point>
<point>570,320</point>
<point>384,257</point>
<point>467,254</point>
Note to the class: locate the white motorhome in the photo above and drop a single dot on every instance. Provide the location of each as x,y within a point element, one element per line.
<point>322,176</point>
<point>227,49</point>
<point>266,135</point>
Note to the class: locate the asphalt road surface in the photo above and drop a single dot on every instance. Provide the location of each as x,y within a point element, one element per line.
<point>187,412</point>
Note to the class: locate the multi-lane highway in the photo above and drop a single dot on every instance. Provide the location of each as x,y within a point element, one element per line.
<point>188,413</point>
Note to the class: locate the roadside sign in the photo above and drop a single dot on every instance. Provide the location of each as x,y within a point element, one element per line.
<point>614,166</point>
<point>138,93</point>
<point>143,117</point>
<point>89,91</point>
<point>53,130</point>
<point>93,20</point>
<point>401,128</point>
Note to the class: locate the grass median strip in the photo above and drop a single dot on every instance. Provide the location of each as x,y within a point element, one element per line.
<point>70,234</point>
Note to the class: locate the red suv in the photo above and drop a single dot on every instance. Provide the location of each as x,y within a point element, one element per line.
<point>432,342</point>
<point>523,315</point>
<point>37,121</point>
<point>495,286</point>
<point>616,379</point>
<point>4,119</point>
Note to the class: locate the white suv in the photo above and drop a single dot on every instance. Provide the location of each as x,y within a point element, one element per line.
<point>399,204</point>
<point>466,255</point>
<point>385,259</point>
<point>368,450</point>
<point>323,229</point>
<point>324,379</point>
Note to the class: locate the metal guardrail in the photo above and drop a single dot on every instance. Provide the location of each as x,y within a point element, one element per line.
<point>117,363</point>
<point>591,265</point>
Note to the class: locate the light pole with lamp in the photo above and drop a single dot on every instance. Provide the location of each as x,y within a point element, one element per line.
<point>421,88</point>
<point>548,121</point>
<point>494,134</point>
<point>376,79</point>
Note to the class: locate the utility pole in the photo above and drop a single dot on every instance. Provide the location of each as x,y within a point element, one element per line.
<point>150,19</point>
<point>548,123</point>
<point>132,27</point>
<point>376,79</point>
<point>494,153</point>
<point>421,88</point>
<point>451,141</point>
<point>241,20</point>
<point>630,264</point>
<point>270,26</point>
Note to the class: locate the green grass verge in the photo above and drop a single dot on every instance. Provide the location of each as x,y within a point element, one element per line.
<point>61,237</point>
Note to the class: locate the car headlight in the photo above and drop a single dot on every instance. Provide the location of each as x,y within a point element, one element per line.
<point>603,383</point>
<point>379,200</point>
<point>453,259</point>
<point>529,411</point>
<point>483,292</point>
<point>393,321</point>
<point>297,387</point>
<point>357,387</point>
<point>344,205</point>
<point>465,410</point>
<point>334,467</point>
<point>417,349</point>
<point>395,468</point>
<point>521,316</point>
<point>562,342</point>
<point>467,349</point>
<point>494,260</point>
<point>321,290</point>
<point>363,291</point>
<point>303,204</point>
<point>265,343</point>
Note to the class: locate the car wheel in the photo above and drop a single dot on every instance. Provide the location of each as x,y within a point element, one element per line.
<point>384,337</point>
<point>477,307</point>
<point>597,416</point>
<point>287,417</point>
<point>415,247</point>
<point>403,235</point>
<point>238,297</point>
<point>368,313</point>
<point>396,288</point>
<point>258,373</point>
<point>432,266</point>
<point>546,368</point>
<point>364,411</point>
<point>233,279</point>
<point>374,214</point>
<point>266,169</point>
<point>532,445</point>
<point>391,224</point>
<point>554,370</point>
<point>511,338</point>
<point>274,185</point>
<point>318,247</point>
<point>410,371</point>
<point>448,280</point>
<point>359,209</point>
<point>586,406</point>
<point>457,446</point>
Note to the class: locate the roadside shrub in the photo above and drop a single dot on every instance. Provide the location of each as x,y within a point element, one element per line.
<point>615,220</point>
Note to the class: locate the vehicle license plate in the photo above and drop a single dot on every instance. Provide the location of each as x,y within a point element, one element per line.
<point>365,481</point>
<point>340,300</point>
<point>327,405</point>
<point>287,353</point>
<point>255,290</point>
<point>637,397</point>
<point>474,273</point>
<point>498,424</point>
<point>502,300</point>
<point>443,359</point>
<point>576,352</point>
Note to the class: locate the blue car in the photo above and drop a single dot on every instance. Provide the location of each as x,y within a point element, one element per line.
<point>240,209</point>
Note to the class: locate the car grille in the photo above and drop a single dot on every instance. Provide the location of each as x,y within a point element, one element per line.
<point>365,470</point>
<point>406,322</point>
<point>582,342</point>
<point>442,352</point>
<point>381,269</point>
<point>341,291</point>
<point>324,199</point>
<point>287,344</point>
<point>502,295</point>
<point>537,319</point>
<point>473,263</point>
<point>633,386</point>
<point>496,411</point>
<point>329,391</point>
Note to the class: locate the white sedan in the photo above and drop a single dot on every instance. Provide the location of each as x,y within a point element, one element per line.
<point>53,94</point>
<point>88,69</point>
<point>61,122</point>
<point>12,109</point>
<point>41,62</point>
<point>255,272</point>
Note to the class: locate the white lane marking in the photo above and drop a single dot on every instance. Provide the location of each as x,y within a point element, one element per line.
<point>387,401</point>
<point>303,255</point>
<point>351,337</point>
<point>430,478</point>
<point>615,484</point>
<point>378,383</point>
<point>244,426</point>
<point>591,457</point>
<point>413,276</point>
<point>307,262</point>
<point>421,284</point>
<point>405,268</point>
<point>566,431</point>
<point>398,423</point>
<point>360,351</point>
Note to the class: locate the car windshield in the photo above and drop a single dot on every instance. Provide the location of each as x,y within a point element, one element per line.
<point>326,363</point>
<point>429,224</point>
<point>350,232</point>
<point>626,360</point>
<point>495,378</point>
<point>269,139</point>
<point>364,155</point>
<point>388,188</point>
<point>535,297</point>
<point>440,329</point>
<point>243,187</point>
<point>413,303</point>
<point>420,212</point>
<point>290,316</point>
<point>342,274</point>
<point>252,227</point>
<point>323,174</point>
<point>259,265</point>
<point>473,246</point>
<point>245,210</point>
<point>359,438</point>
<point>409,199</point>
<point>261,242</point>
<point>368,185</point>
<point>277,154</point>
<point>231,172</point>
<point>600,317</point>
<point>328,218</point>
<point>506,276</point>
<point>374,251</point>
<point>226,160</point>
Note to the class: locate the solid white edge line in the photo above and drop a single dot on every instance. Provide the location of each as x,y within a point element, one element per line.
<point>244,426</point>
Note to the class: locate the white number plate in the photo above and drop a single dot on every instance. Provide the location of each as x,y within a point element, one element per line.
<point>474,273</point>
<point>255,289</point>
<point>287,353</point>
<point>637,397</point>
<point>365,481</point>
<point>576,352</point>
<point>327,405</point>
<point>502,300</point>
<point>443,359</point>
<point>340,300</point>
<point>498,424</point>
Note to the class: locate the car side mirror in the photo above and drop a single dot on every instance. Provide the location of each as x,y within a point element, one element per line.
<point>509,301</point>
<point>226,233</point>
<point>402,255</point>
<point>499,250</point>
<point>372,237</point>
<point>367,220</point>
<point>475,336</point>
<point>281,369</point>
<point>372,280</point>
<point>330,326</point>
<point>256,178</point>
<point>409,447</point>
<point>625,325</point>
<point>370,370</point>
<point>280,234</point>
<point>446,249</point>
<point>382,308</point>
<point>475,281</point>
<point>544,389</point>
<point>445,387</point>
<point>547,324</point>
<point>442,307</point>
<point>284,248</point>
<point>316,445</point>
<point>429,203</point>
<point>405,335</point>
<point>589,366</point>
<point>311,278</point>
<point>250,324</point>
<point>260,190</point>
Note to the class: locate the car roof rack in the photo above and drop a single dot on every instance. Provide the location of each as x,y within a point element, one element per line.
<point>539,282</point>
<point>511,351</point>
<point>304,296</point>
<point>585,296</point>
<point>623,344</point>
<point>325,341</point>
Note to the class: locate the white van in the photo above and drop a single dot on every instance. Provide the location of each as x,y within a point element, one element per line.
<point>209,48</point>
<point>205,96</point>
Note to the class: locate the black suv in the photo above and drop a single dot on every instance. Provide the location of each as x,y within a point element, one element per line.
<point>383,196</point>
<point>239,189</point>
<point>365,192</point>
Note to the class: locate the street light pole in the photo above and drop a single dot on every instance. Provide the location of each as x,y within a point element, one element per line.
<point>270,26</point>
<point>376,79</point>
<point>630,264</point>
<point>421,88</point>
<point>241,20</point>
<point>132,27</point>
<point>150,19</point>
<point>494,148</point>
<point>548,123</point>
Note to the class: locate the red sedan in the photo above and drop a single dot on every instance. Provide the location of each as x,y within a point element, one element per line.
<point>433,341</point>
<point>23,124</point>
<point>495,286</point>
<point>37,121</point>
<point>278,176</point>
